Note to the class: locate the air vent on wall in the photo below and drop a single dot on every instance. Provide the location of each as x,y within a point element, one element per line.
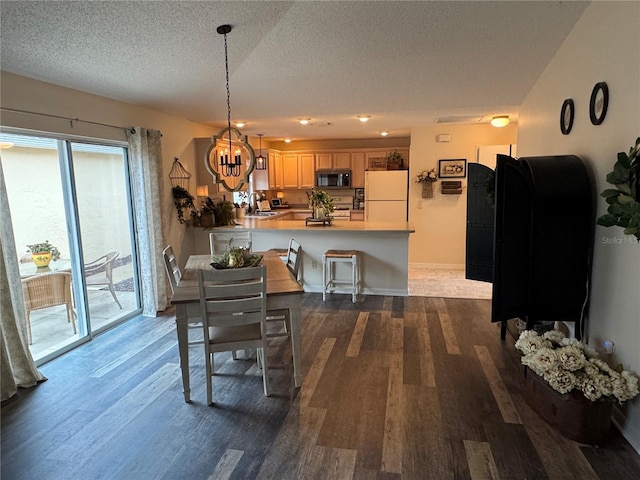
<point>459,119</point>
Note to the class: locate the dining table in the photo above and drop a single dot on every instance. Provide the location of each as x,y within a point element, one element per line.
<point>283,292</point>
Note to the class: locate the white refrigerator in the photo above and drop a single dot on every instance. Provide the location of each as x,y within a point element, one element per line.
<point>385,195</point>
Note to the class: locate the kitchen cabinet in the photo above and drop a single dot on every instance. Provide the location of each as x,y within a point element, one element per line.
<point>324,161</point>
<point>357,215</point>
<point>306,170</point>
<point>333,161</point>
<point>290,169</point>
<point>275,171</point>
<point>358,167</point>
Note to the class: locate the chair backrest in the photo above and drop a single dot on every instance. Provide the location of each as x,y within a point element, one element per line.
<point>220,241</point>
<point>105,261</point>
<point>47,290</point>
<point>294,257</point>
<point>171,265</point>
<point>233,297</point>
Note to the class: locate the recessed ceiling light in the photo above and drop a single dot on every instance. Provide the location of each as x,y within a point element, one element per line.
<point>384,134</point>
<point>500,121</point>
<point>240,124</point>
<point>4,145</point>
<point>364,118</point>
<point>304,121</point>
<point>287,140</point>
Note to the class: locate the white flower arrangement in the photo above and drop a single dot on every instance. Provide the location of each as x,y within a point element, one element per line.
<point>427,176</point>
<point>566,364</point>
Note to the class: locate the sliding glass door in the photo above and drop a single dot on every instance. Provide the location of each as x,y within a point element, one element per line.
<point>75,195</point>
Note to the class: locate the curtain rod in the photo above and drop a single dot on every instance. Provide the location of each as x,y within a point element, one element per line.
<point>71,120</point>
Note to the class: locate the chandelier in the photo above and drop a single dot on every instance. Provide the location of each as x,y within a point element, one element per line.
<point>224,158</point>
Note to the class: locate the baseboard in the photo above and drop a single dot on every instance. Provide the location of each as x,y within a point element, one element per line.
<point>438,266</point>
<point>619,419</point>
<point>363,291</point>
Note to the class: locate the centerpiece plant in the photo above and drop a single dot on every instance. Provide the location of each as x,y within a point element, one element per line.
<point>566,364</point>
<point>321,204</point>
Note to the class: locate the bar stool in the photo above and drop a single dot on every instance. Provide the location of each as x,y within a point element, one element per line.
<point>329,258</point>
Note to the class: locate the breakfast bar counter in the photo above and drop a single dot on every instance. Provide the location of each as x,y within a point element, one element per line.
<point>384,248</point>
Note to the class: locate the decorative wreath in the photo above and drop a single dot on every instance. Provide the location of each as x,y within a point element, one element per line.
<point>624,200</point>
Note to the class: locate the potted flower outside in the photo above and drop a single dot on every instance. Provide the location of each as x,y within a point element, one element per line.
<point>570,387</point>
<point>43,253</point>
<point>426,178</point>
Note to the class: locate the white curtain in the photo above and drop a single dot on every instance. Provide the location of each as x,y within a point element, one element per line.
<point>18,367</point>
<point>145,159</point>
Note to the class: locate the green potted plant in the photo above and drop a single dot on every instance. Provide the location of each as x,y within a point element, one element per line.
<point>43,253</point>
<point>321,204</point>
<point>394,161</point>
<point>183,200</point>
<point>624,200</point>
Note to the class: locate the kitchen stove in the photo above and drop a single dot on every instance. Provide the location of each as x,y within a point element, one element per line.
<point>342,207</point>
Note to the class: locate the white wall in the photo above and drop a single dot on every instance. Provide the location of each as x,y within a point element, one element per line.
<point>23,93</point>
<point>603,46</point>
<point>440,222</point>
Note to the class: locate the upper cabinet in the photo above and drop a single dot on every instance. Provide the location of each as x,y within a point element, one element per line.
<point>358,167</point>
<point>333,161</point>
<point>296,170</point>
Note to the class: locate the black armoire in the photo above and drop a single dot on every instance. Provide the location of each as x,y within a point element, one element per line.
<point>542,242</point>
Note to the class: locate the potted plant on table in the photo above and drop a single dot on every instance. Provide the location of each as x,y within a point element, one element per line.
<point>43,253</point>
<point>321,204</point>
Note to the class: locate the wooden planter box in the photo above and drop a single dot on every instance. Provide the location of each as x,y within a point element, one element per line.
<point>572,414</point>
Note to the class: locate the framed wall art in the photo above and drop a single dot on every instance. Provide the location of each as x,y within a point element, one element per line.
<point>452,168</point>
<point>566,116</point>
<point>599,103</point>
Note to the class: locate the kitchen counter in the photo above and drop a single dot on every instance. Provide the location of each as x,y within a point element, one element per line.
<point>384,249</point>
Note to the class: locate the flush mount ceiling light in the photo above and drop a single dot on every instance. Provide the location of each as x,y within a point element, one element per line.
<point>500,121</point>
<point>261,162</point>
<point>231,157</point>
<point>287,140</point>
<point>384,134</point>
<point>364,118</point>
<point>240,124</point>
<point>304,121</point>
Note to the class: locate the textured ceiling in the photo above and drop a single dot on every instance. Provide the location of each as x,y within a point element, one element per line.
<point>404,63</point>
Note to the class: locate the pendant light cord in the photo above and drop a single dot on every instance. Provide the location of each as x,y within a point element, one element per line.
<point>226,67</point>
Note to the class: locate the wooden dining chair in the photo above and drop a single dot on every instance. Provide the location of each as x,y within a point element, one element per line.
<point>171,265</point>
<point>175,275</point>
<point>233,303</point>
<point>293,261</point>
<point>220,241</point>
<point>48,290</point>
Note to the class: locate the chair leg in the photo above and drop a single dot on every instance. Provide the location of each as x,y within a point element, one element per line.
<point>113,294</point>
<point>209,367</point>
<point>265,371</point>
<point>324,278</point>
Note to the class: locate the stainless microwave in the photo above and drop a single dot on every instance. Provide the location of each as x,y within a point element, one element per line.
<point>333,179</point>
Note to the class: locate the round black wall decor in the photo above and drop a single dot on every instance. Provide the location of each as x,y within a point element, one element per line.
<point>566,116</point>
<point>599,103</point>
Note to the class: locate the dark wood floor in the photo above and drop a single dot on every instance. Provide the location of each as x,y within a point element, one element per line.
<point>394,388</point>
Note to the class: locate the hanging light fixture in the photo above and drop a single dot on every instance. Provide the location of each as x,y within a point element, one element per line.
<point>261,162</point>
<point>230,168</point>
<point>226,160</point>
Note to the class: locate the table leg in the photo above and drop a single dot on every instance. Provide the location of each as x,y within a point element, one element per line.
<point>295,316</point>
<point>182,328</point>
